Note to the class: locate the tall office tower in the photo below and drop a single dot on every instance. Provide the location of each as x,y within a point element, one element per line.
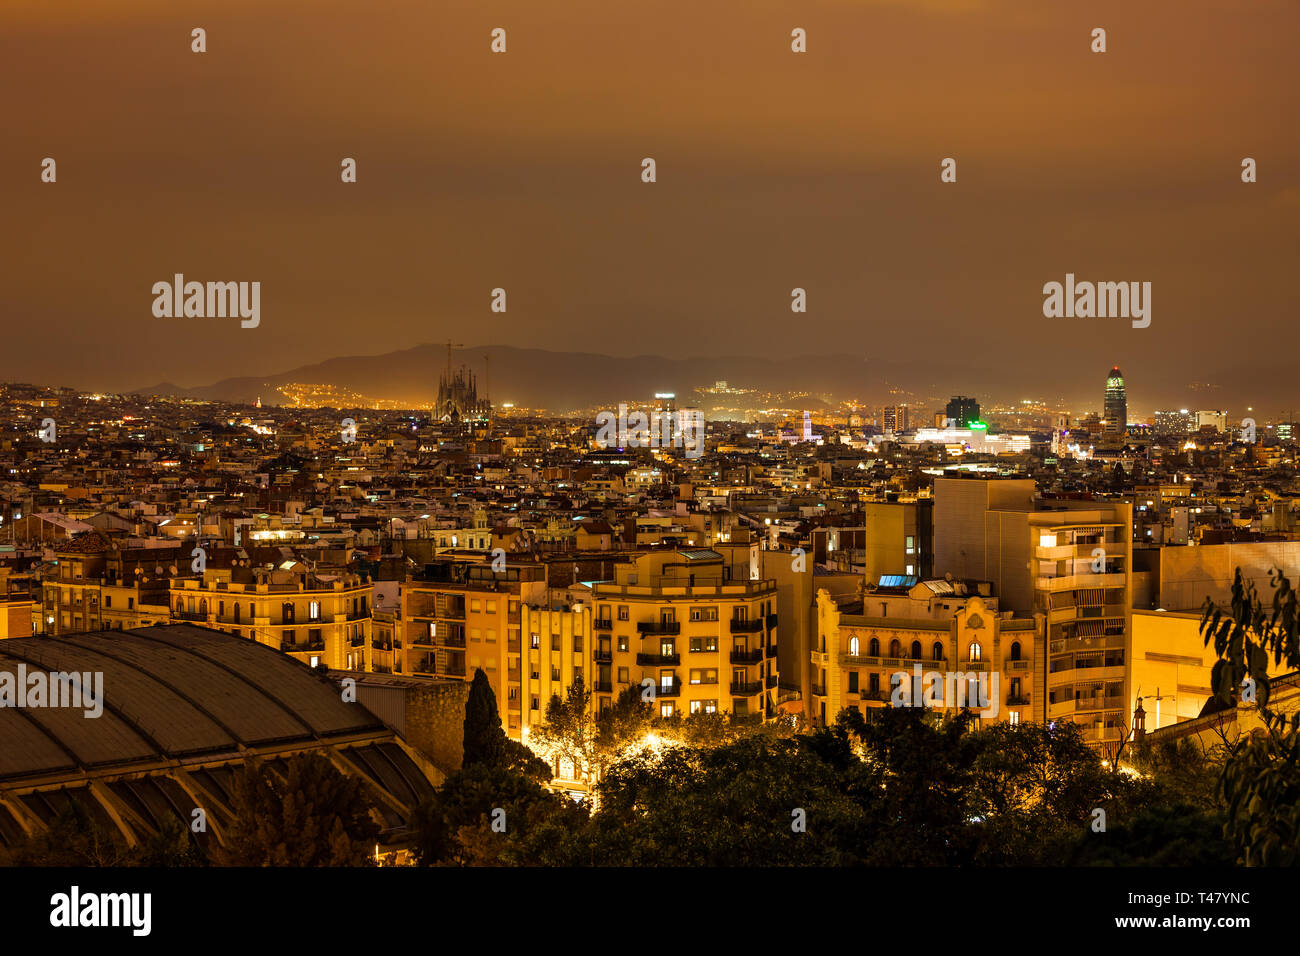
<point>962,410</point>
<point>1068,563</point>
<point>893,419</point>
<point>1116,403</point>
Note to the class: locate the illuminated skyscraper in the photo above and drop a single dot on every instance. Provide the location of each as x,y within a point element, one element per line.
<point>1116,403</point>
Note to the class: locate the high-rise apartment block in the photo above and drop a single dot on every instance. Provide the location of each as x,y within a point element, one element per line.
<point>1069,561</point>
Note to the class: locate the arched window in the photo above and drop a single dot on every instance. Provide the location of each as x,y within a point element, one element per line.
<point>875,647</point>
<point>975,651</point>
<point>1015,650</point>
<point>916,650</point>
<point>236,612</point>
<point>936,652</point>
<point>854,647</point>
<point>203,605</point>
<point>180,605</point>
<point>895,648</point>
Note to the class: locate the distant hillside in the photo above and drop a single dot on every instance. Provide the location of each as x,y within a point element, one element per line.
<point>560,381</point>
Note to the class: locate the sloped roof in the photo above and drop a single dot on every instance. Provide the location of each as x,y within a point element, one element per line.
<point>175,691</point>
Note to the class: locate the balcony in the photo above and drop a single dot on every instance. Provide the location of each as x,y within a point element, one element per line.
<point>604,687</point>
<point>747,657</point>
<point>669,690</point>
<point>771,621</point>
<point>422,640</point>
<point>361,615</point>
<point>603,625</point>
<point>770,681</point>
<point>189,616</point>
<point>290,647</point>
<point>659,627</point>
<point>603,655</point>
<point>817,690</point>
<point>359,640</point>
<point>878,693</point>
<point>771,651</point>
<point>746,626</point>
<point>659,660</point>
<point>746,688</point>
<point>1017,700</point>
<point>513,675</point>
<point>381,645</point>
<point>1018,665</point>
<point>451,640</point>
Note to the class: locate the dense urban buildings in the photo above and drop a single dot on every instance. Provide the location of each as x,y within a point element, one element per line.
<point>799,569</point>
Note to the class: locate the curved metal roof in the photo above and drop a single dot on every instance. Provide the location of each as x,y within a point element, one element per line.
<point>169,692</point>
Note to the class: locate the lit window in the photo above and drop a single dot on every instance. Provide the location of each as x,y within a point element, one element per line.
<point>975,651</point>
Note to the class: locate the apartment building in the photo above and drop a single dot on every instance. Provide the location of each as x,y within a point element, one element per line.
<point>698,627</point>
<point>94,585</point>
<point>940,626</point>
<point>899,538</point>
<point>460,615</point>
<point>1069,560</point>
<point>313,616</point>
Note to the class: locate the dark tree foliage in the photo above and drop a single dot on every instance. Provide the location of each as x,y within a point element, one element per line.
<point>495,816</point>
<point>76,837</point>
<point>312,816</point>
<point>1260,783</point>
<point>484,738</point>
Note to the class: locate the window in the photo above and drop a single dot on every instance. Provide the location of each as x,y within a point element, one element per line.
<point>874,648</point>
<point>895,648</point>
<point>491,607</point>
<point>555,642</point>
<point>701,644</point>
<point>910,545</point>
<point>873,681</point>
<point>622,675</point>
<point>108,600</point>
<point>854,646</point>
<point>622,612</point>
<point>936,652</point>
<point>130,604</point>
<point>313,610</point>
<point>474,604</point>
<point>533,704</point>
<point>536,641</point>
<point>622,642</point>
<point>976,651</point>
<point>1013,717</point>
<point>555,673</point>
<point>853,682</point>
<point>916,650</point>
<point>704,676</point>
<point>665,709</point>
<point>1015,650</point>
